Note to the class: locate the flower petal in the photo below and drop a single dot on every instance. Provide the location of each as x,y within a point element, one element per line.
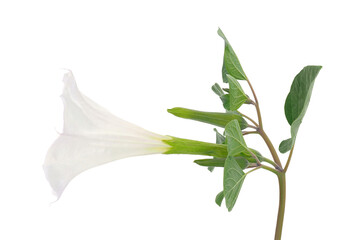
<point>92,136</point>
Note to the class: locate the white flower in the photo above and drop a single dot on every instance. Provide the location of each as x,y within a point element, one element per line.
<point>92,136</point>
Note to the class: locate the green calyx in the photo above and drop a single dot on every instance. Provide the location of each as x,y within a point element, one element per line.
<point>214,118</point>
<point>186,146</point>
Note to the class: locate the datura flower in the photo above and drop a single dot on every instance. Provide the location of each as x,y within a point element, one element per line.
<point>92,136</point>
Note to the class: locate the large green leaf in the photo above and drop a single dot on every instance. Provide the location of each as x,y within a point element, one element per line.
<point>232,181</point>
<point>231,64</point>
<point>234,139</point>
<point>236,93</point>
<point>214,118</point>
<point>297,102</point>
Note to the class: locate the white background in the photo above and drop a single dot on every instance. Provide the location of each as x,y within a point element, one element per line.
<point>138,58</point>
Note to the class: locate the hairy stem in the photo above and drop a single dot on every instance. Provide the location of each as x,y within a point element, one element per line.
<point>279,224</point>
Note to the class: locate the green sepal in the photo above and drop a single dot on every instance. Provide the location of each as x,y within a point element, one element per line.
<point>214,162</point>
<point>231,64</point>
<point>297,101</point>
<point>186,146</point>
<point>220,162</point>
<point>214,118</point>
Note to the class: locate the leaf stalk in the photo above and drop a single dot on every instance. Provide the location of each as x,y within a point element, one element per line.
<point>289,158</point>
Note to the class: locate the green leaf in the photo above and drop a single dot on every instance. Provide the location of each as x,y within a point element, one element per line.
<point>286,145</point>
<point>211,169</point>
<point>242,162</point>
<point>232,181</point>
<point>220,139</point>
<point>297,102</point>
<point>219,198</point>
<point>225,98</point>
<point>217,89</point>
<point>226,101</point>
<point>249,157</point>
<point>231,64</point>
<point>235,140</point>
<point>214,118</point>
<point>237,95</point>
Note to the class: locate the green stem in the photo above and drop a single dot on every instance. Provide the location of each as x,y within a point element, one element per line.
<point>256,104</point>
<point>271,148</point>
<point>270,162</point>
<point>249,132</point>
<point>289,158</point>
<point>250,119</point>
<point>279,224</point>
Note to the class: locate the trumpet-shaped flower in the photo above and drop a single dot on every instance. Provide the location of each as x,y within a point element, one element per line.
<point>92,136</point>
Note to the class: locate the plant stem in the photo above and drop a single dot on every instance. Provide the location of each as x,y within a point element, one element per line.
<point>271,162</point>
<point>269,169</point>
<point>250,119</point>
<point>271,147</point>
<point>256,104</point>
<point>249,132</point>
<point>280,172</point>
<point>282,183</point>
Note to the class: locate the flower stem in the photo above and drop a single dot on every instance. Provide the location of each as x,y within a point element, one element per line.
<point>279,224</point>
